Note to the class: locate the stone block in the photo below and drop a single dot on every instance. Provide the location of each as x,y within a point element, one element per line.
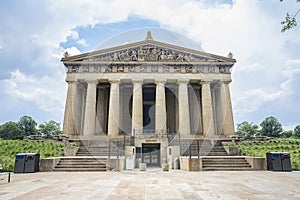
<point>70,151</point>
<point>143,166</point>
<point>232,151</point>
<point>165,167</point>
<point>257,163</point>
<point>48,164</point>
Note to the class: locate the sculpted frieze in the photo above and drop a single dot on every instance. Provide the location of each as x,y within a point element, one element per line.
<point>149,69</point>
<point>148,54</point>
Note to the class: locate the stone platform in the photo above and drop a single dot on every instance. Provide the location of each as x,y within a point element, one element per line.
<point>152,184</point>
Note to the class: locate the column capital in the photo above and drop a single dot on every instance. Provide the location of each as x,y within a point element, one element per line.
<point>160,81</point>
<point>137,81</point>
<point>91,81</point>
<point>116,81</point>
<point>182,81</point>
<point>205,82</point>
<point>226,81</point>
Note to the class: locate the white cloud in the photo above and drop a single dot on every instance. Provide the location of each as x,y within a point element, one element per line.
<point>250,29</point>
<point>82,42</point>
<point>47,93</point>
<point>72,51</point>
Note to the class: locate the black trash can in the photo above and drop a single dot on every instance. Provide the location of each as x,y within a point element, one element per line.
<point>19,163</point>
<point>286,162</point>
<point>278,161</point>
<point>27,163</point>
<point>32,162</point>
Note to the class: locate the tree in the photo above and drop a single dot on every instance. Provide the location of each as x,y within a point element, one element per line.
<point>247,130</point>
<point>271,127</point>
<point>10,131</point>
<point>50,129</point>
<point>27,125</point>
<point>286,134</point>
<point>297,131</point>
<point>289,22</point>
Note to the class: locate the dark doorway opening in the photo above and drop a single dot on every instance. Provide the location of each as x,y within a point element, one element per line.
<point>151,154</point>
<point>149,109</point>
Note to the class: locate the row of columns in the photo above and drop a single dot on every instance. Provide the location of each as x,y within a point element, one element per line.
<point>160,108</point>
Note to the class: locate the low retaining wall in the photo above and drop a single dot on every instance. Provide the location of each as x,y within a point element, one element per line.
<point>190,164</point>
<point>116,164</point>
<point>48,164</point>
<point>257,163</point>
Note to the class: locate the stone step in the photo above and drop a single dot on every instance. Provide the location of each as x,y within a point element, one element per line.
<point>96,151</point>
<point>224,159</point>
<point>80,166</point>
<point>83,158</point>
<point>96,154</point>
<point>225,165</point>
<point>227,169</point>
<point>79,169</point>
<point>82,162</point>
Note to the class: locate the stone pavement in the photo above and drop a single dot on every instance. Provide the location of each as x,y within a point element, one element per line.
<point>153,184</point>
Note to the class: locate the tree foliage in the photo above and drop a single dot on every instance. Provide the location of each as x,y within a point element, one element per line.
<point>246,129</point>
<point>271,127</point>
<point>297,131</point>
<point>27,125</point>
<point>10,131</point>
<point>50,129</point>
<point>289,21</point>
<point>286,134</point>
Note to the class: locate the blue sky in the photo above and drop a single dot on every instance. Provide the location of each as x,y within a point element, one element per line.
<point>34,35</point>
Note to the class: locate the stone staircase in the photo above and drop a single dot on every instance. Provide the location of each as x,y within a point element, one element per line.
<point>225,163</point>
<point>91,155</point>
<point>81,164</point>
<point>205,148</point>
<point>98,148</point>
<point>213,154</point>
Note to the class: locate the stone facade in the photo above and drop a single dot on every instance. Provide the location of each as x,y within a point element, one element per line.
<point>148,87</point>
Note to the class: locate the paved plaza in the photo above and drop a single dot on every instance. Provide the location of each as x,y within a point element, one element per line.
<point>152,184</point>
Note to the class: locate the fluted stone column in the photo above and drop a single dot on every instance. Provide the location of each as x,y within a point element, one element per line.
<point>114,109</point>
<point>90,109</point>
<point>207,110</point>
<point>226,109</point>
<point>183,106</point>
<point>137,107</point>
<point>195,109</point>
<point>69,126</point>
<point>160,107</point>
<point>101,110</point>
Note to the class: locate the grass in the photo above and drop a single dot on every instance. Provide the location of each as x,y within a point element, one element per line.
<point>260,148</point>
<point>9,149</point>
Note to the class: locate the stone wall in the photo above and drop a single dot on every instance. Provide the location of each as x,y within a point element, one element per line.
<point>115,164</point>
<point>257,163</point>
<point>48,164</point>
<point>190,164</point>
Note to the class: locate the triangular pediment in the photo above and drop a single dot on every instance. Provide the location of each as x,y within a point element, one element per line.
<point>148,51</point>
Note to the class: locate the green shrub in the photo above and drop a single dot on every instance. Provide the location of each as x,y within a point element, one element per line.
<point>9,149</point>
<point>260,148</point>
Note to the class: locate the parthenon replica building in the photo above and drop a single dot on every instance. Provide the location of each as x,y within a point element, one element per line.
<point>150,91</point>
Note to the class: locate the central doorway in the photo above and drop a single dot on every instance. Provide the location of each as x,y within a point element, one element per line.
<point>151,154</point>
